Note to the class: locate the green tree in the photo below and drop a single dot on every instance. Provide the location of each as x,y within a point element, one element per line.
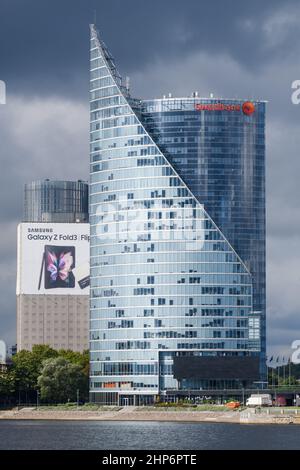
<point>60,379</point>
<point>81,359</point>
<point>288,381</point>
<point>20,382</point>
<point>27,365</point>
<point>288,374</point>
<point>6,386</point>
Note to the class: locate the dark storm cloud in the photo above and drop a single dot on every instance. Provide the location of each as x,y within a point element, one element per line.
<point>43,44</point>
<point>39,137</point>
<point>231,48</point>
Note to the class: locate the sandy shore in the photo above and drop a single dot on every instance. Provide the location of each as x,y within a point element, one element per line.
<point>138,414</point>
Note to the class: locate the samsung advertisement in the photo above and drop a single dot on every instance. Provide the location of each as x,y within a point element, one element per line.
<point>53,259</point>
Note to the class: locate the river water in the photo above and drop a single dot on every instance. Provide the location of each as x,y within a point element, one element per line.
<point>99,435</point>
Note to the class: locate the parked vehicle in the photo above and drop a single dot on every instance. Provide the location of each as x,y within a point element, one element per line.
<point>259,400</point>
<point>280,400</point>
<point>232,405</point>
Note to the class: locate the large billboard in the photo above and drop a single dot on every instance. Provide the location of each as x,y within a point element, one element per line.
<point>214,367</point>
<point>53,259</point>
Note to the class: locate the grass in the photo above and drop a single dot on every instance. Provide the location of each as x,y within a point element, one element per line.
<point>183,407</point>
<point>158,407</point>
<point>73,407</point>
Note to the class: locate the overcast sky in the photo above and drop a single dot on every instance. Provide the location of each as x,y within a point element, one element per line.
<point>232,48</point>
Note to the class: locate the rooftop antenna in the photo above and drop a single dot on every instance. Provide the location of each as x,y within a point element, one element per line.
<point>95,17</point>
<point>127,84</point>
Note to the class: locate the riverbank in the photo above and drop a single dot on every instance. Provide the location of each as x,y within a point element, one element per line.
<point>131,413</point>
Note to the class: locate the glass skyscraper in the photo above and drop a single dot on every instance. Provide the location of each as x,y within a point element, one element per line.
<point>177,213</point>
<point>56,201</point>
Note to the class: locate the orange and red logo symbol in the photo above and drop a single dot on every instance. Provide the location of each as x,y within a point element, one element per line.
<point>248,108</point>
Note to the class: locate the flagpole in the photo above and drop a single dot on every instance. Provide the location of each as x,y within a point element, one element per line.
<point>272,374</point>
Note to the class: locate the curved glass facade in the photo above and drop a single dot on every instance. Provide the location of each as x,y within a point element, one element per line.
<point>56,201</point>
<point>165,280</point>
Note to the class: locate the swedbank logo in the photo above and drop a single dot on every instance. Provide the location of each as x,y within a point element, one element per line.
<point>248,108</point>
<point>217,107</point>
